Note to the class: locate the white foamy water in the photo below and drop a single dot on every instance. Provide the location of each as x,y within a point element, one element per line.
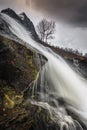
<point>61,81</point>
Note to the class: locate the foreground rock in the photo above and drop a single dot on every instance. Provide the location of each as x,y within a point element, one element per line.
<point>17,64</point>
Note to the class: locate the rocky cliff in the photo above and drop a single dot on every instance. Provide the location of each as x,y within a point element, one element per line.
<point>16,64</point>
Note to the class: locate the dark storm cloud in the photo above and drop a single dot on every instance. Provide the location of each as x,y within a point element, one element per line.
<point>74,11</point>
<point>81,18</point>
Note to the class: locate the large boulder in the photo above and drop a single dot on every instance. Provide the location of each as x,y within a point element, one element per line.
<point>18,65</point>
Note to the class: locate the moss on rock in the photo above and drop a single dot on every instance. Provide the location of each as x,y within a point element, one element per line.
<point>16,64</point>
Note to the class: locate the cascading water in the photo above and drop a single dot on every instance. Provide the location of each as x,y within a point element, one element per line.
<point>56,81</point>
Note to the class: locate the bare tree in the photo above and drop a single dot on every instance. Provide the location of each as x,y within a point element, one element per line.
<point>46,29</point>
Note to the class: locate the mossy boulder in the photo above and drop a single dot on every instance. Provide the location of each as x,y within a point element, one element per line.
<point>17,64</point>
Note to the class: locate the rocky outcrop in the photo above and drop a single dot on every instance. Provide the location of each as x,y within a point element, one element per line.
<point>22,19</point>
<point>18,65</point>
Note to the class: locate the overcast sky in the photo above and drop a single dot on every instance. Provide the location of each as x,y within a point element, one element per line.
<point>70,17</point>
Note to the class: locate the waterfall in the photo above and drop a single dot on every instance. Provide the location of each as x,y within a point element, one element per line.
<point>56,81</point>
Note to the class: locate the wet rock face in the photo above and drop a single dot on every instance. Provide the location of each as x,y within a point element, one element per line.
<point>17,64</point>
